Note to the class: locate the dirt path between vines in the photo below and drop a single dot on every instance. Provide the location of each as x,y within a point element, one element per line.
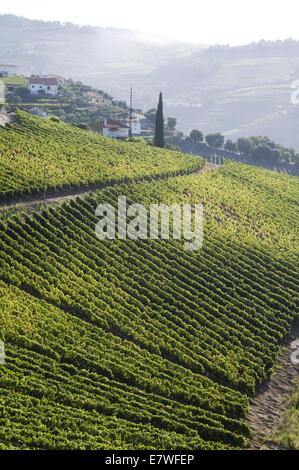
<point>271,400</point>
<point>54,197</point>
<point>7,119</point>
<point>207,167</point>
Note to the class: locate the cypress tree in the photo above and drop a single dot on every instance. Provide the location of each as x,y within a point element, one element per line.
<point>159,124</point>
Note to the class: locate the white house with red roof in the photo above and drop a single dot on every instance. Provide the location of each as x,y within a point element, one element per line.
<point>110,128</point>
<point>135,123</point>
<point>46,85</point>
<point>59,78</point>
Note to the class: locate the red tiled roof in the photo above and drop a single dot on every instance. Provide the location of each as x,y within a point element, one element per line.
<point>110,125</point>
<point>42,81</point>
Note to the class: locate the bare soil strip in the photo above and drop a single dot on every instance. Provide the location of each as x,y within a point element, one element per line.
<point>53,198</point>
<point>207,167</point>
<point>269,404</point>
<point>7,118</point>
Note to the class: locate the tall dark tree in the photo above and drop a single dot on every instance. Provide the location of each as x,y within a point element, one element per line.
<point>159,124</point>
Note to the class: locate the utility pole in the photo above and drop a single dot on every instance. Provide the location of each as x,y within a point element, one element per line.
<point>131,111</point>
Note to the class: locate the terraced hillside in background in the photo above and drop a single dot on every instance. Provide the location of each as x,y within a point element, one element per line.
<point>126,344</point>
<point>75,158</point>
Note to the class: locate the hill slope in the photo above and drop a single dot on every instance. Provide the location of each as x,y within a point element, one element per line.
<point>140,344</point>
<point>75,157</point>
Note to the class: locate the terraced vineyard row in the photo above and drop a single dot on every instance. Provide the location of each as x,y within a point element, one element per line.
<point>140,344</point>
<point>76,158</point>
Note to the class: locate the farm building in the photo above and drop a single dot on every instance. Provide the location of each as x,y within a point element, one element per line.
<point>46,85</point>
<point>136,128</point>
<point>110,128</point>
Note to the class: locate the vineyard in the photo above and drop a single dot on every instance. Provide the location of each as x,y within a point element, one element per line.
<point>74,158</point>
<point>126,344</point>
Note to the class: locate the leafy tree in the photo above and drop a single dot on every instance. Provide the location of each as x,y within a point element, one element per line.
<point>171,123</point>
<point>215,140</point>
<point>67,93</point>
<point>264,151</point>
<point>159,124</point>
<point>196,135</point>
<point>15,100</point>
<point>244,145</point>
<point>230,145</point>
<point>22,92</point>
<point>151,115</point>
<point>287,157</point>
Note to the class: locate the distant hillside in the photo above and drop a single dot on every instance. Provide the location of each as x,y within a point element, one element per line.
<point>108,58</point>
<point>239,91</point>
<point>75,102</point>
<point>243,91</point>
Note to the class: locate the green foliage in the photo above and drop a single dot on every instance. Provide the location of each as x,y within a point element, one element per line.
<point>171,123</point>
<point>172,147</point>
<point>14,100</point>
<point>71,104</point>
<point>244,145</point>
<point>22,92</point>
<point>159,125</point>
<point>196,135</point>
<point>15,81</point>
<point>263,148</point>
<point>151,115</point>
<point>288,432</point>
<point>230,146</point>
<point>215,140</point>
<point>75,157</point>
<point>125,344</point>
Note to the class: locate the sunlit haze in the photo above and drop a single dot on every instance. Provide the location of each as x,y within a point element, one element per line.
<point>231,22</point>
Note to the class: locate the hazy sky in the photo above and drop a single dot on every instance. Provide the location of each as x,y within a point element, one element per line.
<point>207,22</point>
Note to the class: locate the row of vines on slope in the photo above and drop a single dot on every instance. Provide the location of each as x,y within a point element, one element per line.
<point>140,344</point>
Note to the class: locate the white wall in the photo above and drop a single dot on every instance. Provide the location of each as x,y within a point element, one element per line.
<point>116,133</point>
<point>136,128</point>
<point>49,89</point>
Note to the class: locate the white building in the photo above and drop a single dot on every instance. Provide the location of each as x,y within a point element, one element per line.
<point>136,128</point>
<point>47,85</point>
<point>110,128</point>
<point>59,78</point>
<point>95,98</point>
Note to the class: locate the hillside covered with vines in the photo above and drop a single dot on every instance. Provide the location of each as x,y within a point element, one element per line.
<point>123,344</point>
<point>75,157</point>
